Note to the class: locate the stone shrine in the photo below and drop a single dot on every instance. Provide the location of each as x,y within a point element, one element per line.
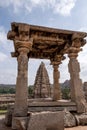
<point>42,83</point>
<point>32,41</point>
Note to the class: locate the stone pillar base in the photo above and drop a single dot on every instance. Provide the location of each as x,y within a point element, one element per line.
<point>19,123</point>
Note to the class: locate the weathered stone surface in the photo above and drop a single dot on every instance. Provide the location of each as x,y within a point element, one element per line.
<point>56,86</point>
<point>81,119</point>
<point>21,96</point>
<point>47,43</point>
<point>20,123</point>
<point>69,119</point>
<point>46,121</point>
<point>77,94</point>
<point>42,83</point>
<point>49,105</point>
<point>8,116</point>
<point>85,90</point>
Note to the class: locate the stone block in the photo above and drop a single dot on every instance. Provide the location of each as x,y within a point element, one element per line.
<point>46,121</point>
<point>81,119</point>
<point>19,123</point>
<point>8,116</point>
<point>69,119</point>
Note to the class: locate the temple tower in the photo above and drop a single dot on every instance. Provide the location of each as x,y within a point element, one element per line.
<point>42,83</point>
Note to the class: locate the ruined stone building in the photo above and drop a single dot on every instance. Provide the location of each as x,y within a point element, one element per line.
<point>39,42</point>
<point>42,83</point>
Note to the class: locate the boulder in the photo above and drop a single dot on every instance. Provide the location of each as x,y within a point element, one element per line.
<point>8,116</point>
<point>69,119</point>
<point>81,119</point>
<point>46,121</point>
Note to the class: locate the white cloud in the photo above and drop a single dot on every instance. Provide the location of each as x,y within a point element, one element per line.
<point>84,29</point>
<point>3,38</point>
<point>2,57</point>
<point>83,58</point>
<point>62,7</point>
<point>4,43</point>
<point>7,77</point>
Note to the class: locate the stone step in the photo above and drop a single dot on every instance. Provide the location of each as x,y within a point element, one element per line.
<point>51,106</point>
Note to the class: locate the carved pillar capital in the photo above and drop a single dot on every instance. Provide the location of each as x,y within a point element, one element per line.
<point>77,43</point>
<point>23,46</point>
<point>56,61</point>
<point>73,52</point>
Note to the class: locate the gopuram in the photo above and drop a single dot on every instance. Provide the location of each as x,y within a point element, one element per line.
<point>32,41</point>
<point>42,84</point>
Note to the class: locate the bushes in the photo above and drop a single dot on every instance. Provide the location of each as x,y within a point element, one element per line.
<point>65,93</point>
<point>7,90</point>
<point>11,90</point>
<point>30,91</point>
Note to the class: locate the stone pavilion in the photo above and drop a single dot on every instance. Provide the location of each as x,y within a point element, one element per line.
<point>32,41</point>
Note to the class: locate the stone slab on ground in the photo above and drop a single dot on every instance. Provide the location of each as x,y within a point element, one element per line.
<point>46,121</point>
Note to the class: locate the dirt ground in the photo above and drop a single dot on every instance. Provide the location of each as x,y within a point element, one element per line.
<point>3,127</point>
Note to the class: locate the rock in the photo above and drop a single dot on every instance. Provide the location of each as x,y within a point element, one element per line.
<point>69,119</point>
<point>46,121</point>
<point>8,116</point>
<point>85,90</point>
<point>81,119</point>
<point>20,123</point>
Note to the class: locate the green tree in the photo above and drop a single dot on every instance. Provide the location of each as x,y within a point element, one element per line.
<point>30,90</point>
<point>65,93</point>
<point>7,90</point>
<point>11,90</point>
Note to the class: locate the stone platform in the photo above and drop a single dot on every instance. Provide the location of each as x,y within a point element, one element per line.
<point>37,105</point>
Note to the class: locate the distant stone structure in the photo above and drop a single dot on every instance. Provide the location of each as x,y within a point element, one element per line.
<point>42,83</point>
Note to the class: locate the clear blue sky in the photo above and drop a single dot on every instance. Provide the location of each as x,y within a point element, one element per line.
<point>63,14</point>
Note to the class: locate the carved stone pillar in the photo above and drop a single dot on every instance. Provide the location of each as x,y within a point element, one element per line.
<point>21,105</point>
<point>76,83</point>
<point>56,75</point>
<point>56,86</point>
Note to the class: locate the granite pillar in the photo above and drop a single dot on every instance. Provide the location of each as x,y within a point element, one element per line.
<point>20,108</point>
<point>77,94</point>
<point>56,85</point>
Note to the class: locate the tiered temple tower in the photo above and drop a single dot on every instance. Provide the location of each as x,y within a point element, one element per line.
<point>42,83</point>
